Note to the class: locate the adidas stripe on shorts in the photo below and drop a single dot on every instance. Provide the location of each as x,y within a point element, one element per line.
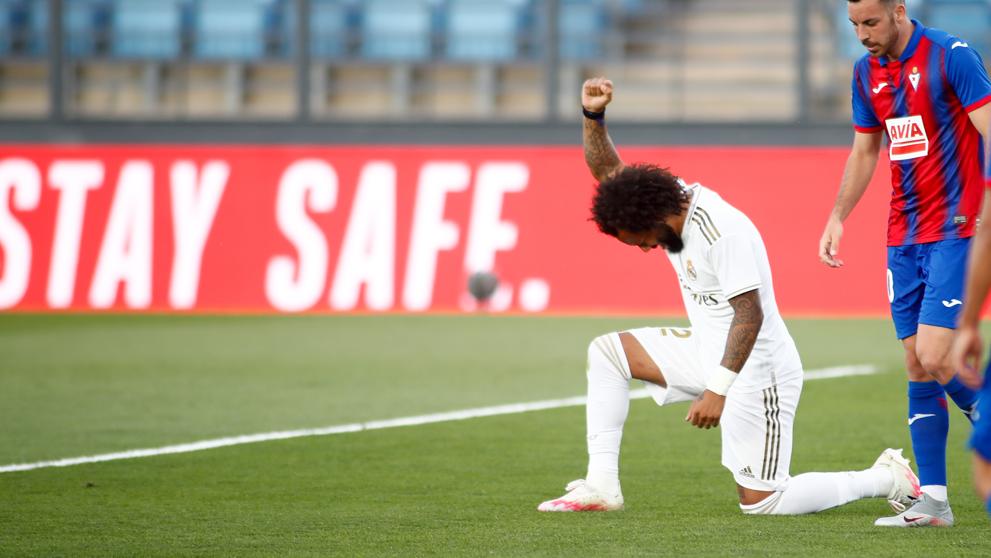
<point>757,423</point>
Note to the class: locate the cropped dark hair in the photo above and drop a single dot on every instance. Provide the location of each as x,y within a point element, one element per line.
<point>637,198</point>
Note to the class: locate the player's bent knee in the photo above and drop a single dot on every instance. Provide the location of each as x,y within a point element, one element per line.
<point>606,353</point>
<point>767,506</point>
<point>934,365</point>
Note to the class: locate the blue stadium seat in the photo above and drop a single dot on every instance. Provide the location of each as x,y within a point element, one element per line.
<point>396,29</point>
<point>7,26</point>
<point>581,24</point>
<point>37,31</point>
<point>967,19</point>
<point>329,28</point>
<point>230,29</point>
<point>81,27</point>
<point>150,29</point>
<point>846,36</point>
<point>482,30</point>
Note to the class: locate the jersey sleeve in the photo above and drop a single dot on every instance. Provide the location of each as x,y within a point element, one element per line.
<point>735,263</point>
<point>864,119</point>
<point>966,74</point>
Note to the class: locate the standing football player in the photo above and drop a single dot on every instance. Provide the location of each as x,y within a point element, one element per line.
<point>737,364</point>
<point>929,92</point>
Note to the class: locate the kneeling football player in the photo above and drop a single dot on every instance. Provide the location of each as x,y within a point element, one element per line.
<point>737,363</point>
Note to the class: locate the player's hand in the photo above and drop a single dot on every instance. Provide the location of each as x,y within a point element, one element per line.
<point>965,356</point>
<point>706,411</point>
<point>596,94</point>
<point>829,244</point>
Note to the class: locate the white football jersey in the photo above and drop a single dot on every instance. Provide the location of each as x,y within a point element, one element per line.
<point>724,256</point>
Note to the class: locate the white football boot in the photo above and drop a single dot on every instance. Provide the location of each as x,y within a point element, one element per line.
<point>582,497</point>
<point>905,491</point>
<point>927,512</point>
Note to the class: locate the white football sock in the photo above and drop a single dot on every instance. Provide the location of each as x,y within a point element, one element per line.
<point>814,492</point>
<point>608,405</point>
<point>937,491</point>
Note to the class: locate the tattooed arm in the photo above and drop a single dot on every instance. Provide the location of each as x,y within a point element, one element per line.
<point>747,319</point>
<point>748,316</point>
<point>600,153</point>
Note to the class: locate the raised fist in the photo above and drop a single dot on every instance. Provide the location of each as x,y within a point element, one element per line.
<point>596,94</point>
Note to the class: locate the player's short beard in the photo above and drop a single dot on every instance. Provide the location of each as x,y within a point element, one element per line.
<point>669,239</point>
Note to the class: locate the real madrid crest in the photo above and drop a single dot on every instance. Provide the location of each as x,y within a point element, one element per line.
<point>914,78</point>
<point>690,270</point>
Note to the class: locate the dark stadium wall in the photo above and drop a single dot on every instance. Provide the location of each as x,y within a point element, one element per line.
<point>268,228</point>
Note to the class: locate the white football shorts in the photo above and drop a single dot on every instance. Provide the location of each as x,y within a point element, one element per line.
<point>756,426</point>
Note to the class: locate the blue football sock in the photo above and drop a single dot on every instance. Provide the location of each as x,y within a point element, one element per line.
<point>963,396</point>
<point>988,506</point>
<point>929,424</point>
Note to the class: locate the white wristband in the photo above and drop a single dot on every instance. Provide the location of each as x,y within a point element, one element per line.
<point>720,380</point>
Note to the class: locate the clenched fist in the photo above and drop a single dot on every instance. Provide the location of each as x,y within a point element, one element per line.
<point>596,94</point>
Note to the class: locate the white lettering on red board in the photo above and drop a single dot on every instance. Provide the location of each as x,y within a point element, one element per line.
<point>431,232</point>
<point>366,268</point>
<point>195,199</point>
<point>367,257</point>
<point>20,182</point>
<point>125,255</point>
<point>368,253</point>
<point>293,284</point>
<point>73,180</point>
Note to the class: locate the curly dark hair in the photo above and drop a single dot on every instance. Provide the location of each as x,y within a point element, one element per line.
<point>637,198</point>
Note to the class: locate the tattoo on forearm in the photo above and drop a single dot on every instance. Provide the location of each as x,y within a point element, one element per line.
<point>747,319</point>
<point>600,153</point>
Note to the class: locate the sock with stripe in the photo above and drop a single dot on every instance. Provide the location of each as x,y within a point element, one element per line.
<point>929,425</point>
<point>963,396</point>
<point>815,492</point>
<point>606,411</point>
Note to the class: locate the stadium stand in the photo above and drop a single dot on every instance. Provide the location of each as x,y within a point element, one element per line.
<point>7,29</point>
<point>486,30</point>
<point>581,26</point>
<point>231,29</point>
<point>397,29</point>
<point>85,27</point>
<point>968,19</point>
<point>146,29</point>
<point>331,28</point>
<point>676,60</point>
<point>23,69</point>
<point>37,29</point>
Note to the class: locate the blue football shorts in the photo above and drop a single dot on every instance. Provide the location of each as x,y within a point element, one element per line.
<point>980,439</point>
<point>925,284</point>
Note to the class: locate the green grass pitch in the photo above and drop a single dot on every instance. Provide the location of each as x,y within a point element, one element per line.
<point>74,385</point>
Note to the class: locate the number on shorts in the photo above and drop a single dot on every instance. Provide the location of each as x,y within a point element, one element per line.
<point>680,333</point>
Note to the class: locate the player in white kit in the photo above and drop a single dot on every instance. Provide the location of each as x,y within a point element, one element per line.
<point>737,363</point>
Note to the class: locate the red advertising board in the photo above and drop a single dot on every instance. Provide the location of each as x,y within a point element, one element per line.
<point>341,229</point>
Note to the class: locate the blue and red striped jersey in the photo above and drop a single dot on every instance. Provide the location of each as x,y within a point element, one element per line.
<point>921,101</point>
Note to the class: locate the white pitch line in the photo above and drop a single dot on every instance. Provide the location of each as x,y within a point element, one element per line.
<point>514,408</point>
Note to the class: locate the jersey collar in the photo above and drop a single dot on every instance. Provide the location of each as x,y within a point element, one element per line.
<point>913,43</point>
<point>696,190</point>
